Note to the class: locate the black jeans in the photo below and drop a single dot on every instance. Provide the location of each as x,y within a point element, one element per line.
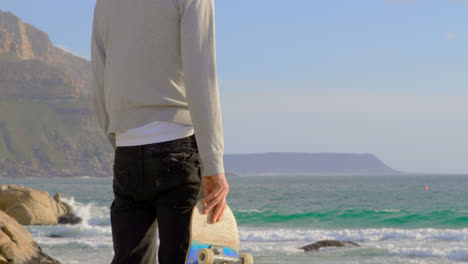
<point>154,185</point>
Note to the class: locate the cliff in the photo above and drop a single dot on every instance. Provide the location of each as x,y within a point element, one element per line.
<point>46,124</point>
<point>21,41</point>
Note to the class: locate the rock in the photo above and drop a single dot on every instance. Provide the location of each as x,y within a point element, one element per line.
<point>329,243</point>
<point>17,245</point>
<point>58,197</point>
<point>55,236</point>
<point>69,220</point>
<point>32,207</point>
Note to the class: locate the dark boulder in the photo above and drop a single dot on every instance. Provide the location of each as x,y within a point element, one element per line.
<point>55,236</point>
<point>69,219</point>
<point>329,243</point>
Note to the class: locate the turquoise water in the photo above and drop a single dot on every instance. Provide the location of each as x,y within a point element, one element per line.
<point>393,218</point>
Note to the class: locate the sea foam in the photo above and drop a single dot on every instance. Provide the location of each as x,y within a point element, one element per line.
<point>370,234</point>
<point>93,231</point>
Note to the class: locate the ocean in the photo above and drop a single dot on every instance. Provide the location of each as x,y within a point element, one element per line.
<point>394,219</point>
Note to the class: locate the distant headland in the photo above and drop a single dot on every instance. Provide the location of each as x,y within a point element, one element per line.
<point>290,163</point>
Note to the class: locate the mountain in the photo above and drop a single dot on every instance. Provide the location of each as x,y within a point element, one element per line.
<point>46,124</point>
<point>23,42</point>
<point>306,164</point>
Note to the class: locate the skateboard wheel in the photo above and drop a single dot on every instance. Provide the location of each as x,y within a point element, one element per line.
<point>246,258</point>
<point>205,256</point>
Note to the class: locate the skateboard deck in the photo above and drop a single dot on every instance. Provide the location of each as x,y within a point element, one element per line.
<point>221,239</point>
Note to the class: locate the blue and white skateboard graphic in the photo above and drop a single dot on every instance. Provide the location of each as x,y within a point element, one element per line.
<point>195,248</point>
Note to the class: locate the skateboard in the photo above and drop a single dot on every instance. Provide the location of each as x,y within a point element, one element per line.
<point>216,243</point>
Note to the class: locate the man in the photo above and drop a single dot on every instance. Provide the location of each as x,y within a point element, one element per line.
<point>155,95</point>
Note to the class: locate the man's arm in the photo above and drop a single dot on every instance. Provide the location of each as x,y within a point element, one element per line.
<point>199,63</point>
<point>98,62</point>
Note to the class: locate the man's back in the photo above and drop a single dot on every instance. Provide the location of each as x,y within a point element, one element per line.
<point>143,52</point>
<point>157,59</point>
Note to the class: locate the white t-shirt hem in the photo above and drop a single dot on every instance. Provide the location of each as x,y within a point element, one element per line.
<point>154,132</point>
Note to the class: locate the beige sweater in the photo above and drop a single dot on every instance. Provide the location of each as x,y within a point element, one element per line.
<point>155,60</point>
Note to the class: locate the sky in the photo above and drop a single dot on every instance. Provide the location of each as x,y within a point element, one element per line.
<point>387,77</point>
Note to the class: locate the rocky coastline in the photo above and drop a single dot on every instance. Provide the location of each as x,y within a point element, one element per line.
<point>20,206</point>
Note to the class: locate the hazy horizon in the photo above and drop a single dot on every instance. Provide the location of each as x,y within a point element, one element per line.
<point>385,77</point>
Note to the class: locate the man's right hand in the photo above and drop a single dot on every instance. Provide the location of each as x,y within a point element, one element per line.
<point>216,190</point>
